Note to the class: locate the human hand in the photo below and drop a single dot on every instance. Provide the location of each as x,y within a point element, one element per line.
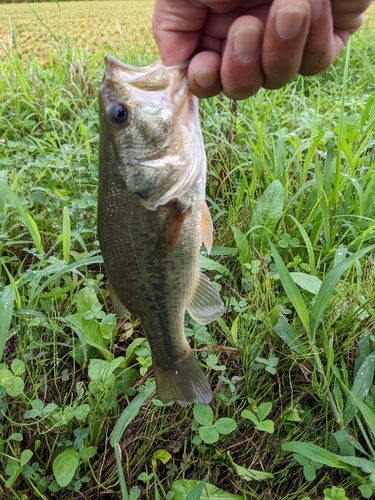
<point>238,46</point>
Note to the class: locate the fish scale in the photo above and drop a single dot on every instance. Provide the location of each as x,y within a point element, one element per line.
<point>152,216</point>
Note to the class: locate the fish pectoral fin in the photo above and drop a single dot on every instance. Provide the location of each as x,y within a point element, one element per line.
<point>205,304</point>
<point>207,227</point>
<point>172,227</point>
<point>118,306</point>
<point>183,380</point>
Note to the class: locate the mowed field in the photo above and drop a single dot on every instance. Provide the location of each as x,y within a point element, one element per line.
<point>36,29</point>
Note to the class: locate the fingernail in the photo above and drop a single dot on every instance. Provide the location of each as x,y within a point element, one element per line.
<point>206,78</point>
<point>246,43</point>
<point>289,21</point>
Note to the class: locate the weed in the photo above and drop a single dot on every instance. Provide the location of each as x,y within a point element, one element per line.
<point>209,432</point>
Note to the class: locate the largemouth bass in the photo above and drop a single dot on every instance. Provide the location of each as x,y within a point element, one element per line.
<point>152,215</point>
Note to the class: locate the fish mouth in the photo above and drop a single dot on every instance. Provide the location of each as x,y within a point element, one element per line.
<point>155,77</point>
<point>143,69</point>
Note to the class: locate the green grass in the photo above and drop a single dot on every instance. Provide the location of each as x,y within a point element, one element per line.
<point>291,190</point>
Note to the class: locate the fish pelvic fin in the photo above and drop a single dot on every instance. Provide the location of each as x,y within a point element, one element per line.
<point>205,304</point>
<point>207,227</point>
<point>118,306</point>
<point>183,381</point>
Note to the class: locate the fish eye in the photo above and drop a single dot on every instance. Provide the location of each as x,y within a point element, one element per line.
<point>119,114</point>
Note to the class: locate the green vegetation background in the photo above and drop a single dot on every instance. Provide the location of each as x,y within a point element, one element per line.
<point>291,189</point>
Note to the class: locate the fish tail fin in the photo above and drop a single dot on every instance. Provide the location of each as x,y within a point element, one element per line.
<point>184,381</point>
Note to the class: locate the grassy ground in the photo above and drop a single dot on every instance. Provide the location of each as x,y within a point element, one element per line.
<point>291,189</point>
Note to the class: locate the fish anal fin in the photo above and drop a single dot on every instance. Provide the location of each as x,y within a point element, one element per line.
<point>183,381</point>
<point>207,227</point>
<point>205,304</point>
<point>118,306</point>
<point>172,227</point>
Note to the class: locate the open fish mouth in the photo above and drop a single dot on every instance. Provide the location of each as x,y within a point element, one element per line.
<point>143,69</point>
<point>154,77</point>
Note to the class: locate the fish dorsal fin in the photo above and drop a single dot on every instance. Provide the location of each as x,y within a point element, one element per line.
<point>207,227</point>
<point>205,304</point>
<point>118,306</point>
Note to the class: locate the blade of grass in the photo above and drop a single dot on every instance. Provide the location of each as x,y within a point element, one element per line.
<point>309,247</point>
<point>3,179</point>
<point>25,217</point>
<point>291,289</point>
<point>196,492</point>
<point>317,454</point>
<point>328,286</point>
<point>61,270</point>
<point>16,64</point>
<point>361,386</point>
<point>288,335</point>
<point>323,198</point>
<point>66,234</point>
<point>6,312</point>
<point>85,138</point>
<point>130,412</point>
<point>341,135</point>
<point>366,411</point>
<point>50,31</point>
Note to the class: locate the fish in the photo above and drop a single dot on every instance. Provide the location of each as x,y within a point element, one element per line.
<point>153,218</point>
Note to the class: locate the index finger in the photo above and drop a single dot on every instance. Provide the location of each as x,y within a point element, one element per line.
<point>177,29</point>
